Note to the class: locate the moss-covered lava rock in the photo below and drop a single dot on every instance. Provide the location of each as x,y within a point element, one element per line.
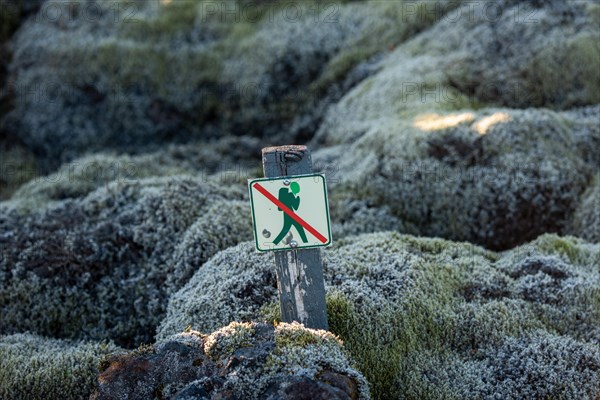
<point>428,318</point>
<point>238,361</point>
<point>130,76</point>
<point>429,136</point>
<point>102,266</point>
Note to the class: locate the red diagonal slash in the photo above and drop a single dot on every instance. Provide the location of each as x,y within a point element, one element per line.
<point>289,212</point>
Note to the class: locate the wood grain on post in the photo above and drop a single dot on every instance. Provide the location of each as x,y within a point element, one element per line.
<point>299,272</point>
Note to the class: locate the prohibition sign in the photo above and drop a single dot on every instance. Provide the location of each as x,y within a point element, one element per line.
<point>305,195</point>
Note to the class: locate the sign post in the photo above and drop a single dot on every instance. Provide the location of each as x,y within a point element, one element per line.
<point>291,217</point>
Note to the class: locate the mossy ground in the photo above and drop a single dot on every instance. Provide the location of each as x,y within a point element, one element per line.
<point>409,96</point>
<point>18,167</point>
<point>456,303</point>
<point>37,368</point>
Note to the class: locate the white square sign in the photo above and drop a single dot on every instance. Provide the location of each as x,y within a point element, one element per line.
<point>290,213</point>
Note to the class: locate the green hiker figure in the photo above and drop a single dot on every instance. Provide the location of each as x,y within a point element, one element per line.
<point>292,202</point>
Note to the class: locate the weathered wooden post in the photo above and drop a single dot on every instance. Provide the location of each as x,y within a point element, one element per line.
<point>299,272</point>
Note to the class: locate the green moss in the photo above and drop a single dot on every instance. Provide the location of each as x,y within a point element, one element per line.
<point>394,300</point>
<point>563,246</point>
<point>144,349</point>
<point>270,312</point>
<point>432,320</point>
<point>169,19</point>
<point>340,313</point>
<point>586,221</point>
<point>227,339</point>
<point>390,25</point>
<point>577,58</point>
<point>18,167</point>
<point>593,10</point>
<point>294,335</point>
<point>227,23</point>
<point>130,63</point>
<point>340,65</point>
<point>277,354</point>
<point>36,368</point>
<point>431,315</point>
<point>376,349</point>
<point>380,335</point>
<point>584,51</point>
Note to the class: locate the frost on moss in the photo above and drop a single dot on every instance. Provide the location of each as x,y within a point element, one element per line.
<point>226,159</point>
<point>102,266</point>
<point>353,217</point>
<point>539,365</point>
<point>557,63</point>
<point>396,300</point>
<point>144,73</point>
<point>423,135</point>
<point>543,365</point>
<point>586,223</point>
<point>287,352</point>
<point>38,368</point>
<point>82,176</point>
<point>241,361</point>
<point>387,25</point>
<point>239,279</point>
<point>445,67</point>
<point>207,236</point>
<point>227,339</point>
<point>495,177</point>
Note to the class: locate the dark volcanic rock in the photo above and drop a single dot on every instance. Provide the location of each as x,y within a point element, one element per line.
<point>240,361</point>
